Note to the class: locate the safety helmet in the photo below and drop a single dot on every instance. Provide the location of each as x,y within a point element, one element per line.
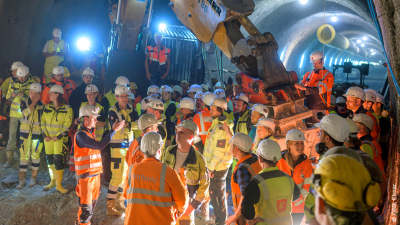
<point>131,96</point>
<point>219,93</point>
<point>371,90</point>
<point>153,88</point>
<point>147,120</point>
<point>166,88</point>
<point>333,99</point>
<point>340,99</point>
<point>295,135</point>
<point>188,124</point>
<point>151,143</point>
<point>220,102</point>
<point>156,104</point>
<point>195,88</point>
<point>242,97</point>
<point>56,89</point>
<point>122,81</point>
<point>133,86</point>
<point>158,34</point>
<point>345,184</point>
<point>355,92</point>
<point>218,85</point>
<point>336,126</point>
<point>205,87</point>
<point>242,141</point>
<point>88,71</point>
<point>370,96</point>
<point>58,70</point>
<point>184,83</point>
<point>57,32</point>
<point>199,95</point>
<point>121,90</point>
<point>266,122</point>
<point>316,55</point>
<point>364,119</point>
<point>36,87</point>
<point>91,88</point>
<point>177,88</point>
<point>260,108</point>
<point>380,99</point>
<point>187,103</point>
<point>145,102</point>
<point>269,150</point>
<point>22,71</point>
<point>89,110</point>
<point>353,127</point>
<point>208,97</point>
<point>16,64</point>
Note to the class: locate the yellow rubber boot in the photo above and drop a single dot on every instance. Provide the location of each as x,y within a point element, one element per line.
<point>111,210</point>
<point>119,202</point>
<point>59,179</point>
<point>52,179</point>
<point>22,181</point>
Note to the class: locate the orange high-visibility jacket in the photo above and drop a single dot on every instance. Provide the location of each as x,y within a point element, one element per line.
<point>323,80</point>
<point>67,86</point>
<point>203,120</point>
<point>134,155</point>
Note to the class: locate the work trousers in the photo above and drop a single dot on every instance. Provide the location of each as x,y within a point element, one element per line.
<point>55,151</point>
<point>87,191</point>
<point>156,79</point>
<point>118,170</point>
<point>12,137</point>
<point>218,196</point>
<point>30,149</point>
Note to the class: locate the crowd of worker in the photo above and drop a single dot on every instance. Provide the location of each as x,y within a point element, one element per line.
<point>170,152</point>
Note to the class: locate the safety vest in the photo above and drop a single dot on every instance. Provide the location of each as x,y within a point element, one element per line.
<point>253,169</point>
<point>323,80</point>
<point>56,122</point>
<point>99,130</point>
<point>18,87</point>
<point>309,205</point>
<point>189,116</point>
<point>87,161</point>
<point>53,61</point>
<point>30,122</point>
<point>134,155</point>
<point>241,126</point>
<point>276,194</point>
<point>217,148</point>
<point>124,137</point>
<point>158,59</point>
<point>67,86</point>
<point>377,150</point>
<point>301,176</point>
<point>203,120</point>
<point>162,125</point>
<point>111,98</point>
<point>5,85</point>
<point>166,104</point>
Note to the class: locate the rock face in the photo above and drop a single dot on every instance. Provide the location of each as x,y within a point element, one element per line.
<point>10,180</point>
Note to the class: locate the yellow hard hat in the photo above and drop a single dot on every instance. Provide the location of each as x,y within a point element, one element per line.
<point>345,184</point>
<point>158,34</point>
<point>132,85</point>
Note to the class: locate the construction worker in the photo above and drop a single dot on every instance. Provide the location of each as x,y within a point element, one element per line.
<point>355,100</point>
<point>203,119</point>
<point>237,89</point>
<point>384,124</point>
<point>242,122</point>
<point>78,95</point>
<point>205,88</point>
<point>218,86</point>
<point>157,62</point>
<point>198,98</point>
<point>318,86</point>
<point>165,127</point>
<point>55,52</point>
<point>190,166</point>
<point>58,79</point>
<point>352,141</point>
<point>7,83</point>
<point>265,130</point>
<point>109,98</point>
<point>340,108</point>
<point>88,164</point>
<point>133,89</point>
<point>193,90</point>
<point>344,191</point>
<point>370,100</point>
<point>131,98</point>
<point>246,168</point>
<point>177,95</point>
<point>169,105</point>
<point>267,197</point>
<point>154,192</point>
<point>17,92</point>
<point>153,90</point>
<point>30,134</point>
<point>119,145</point>
<point>296,164</point>
<point>258,111</point>
<point>218,157</point>
<point>185,87</point>
<point>56,120</point>
<point>229,92</point>
<point>187,111</point>
<point>220,93</point>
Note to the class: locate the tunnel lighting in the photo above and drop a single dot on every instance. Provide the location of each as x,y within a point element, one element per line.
<point>282,53</point>
<point>162,26</point>
<point>330,62</point>
<point>334,18</point>
<point>303,2</point>
<point>348,60</point>
<point>364,38</point>
<point>358,41</point>
<point>372,50</point>
<point>340,62</point>
<point>301,62</point>
<point>362,45</point>
<point>335,61</point>
<point>373,53</point>
<point>83,44</point>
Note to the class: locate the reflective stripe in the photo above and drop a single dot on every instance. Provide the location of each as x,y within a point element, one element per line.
<point>303,192</point>
<point>24,131</point>
<point>100,128</point>
<point>16,110</point>
<point>264,187</point>
<point>278,220</point>
<point>26,121</point>
<point>65,128</point>
<point>372,145</point>
<point>307,180</point>
<point>150,202</point>
<point>326,74</point>
<point>203,177</point>
<point>249,168</point>
<point>53,125</point>
<point>148,192</point>
<point>83,158</point>
<point>117,141</point>
<point>87,166</point>
<point>15,103</point>
<point>299,202</point>
<point>202,124</point>
<point>36,132</point>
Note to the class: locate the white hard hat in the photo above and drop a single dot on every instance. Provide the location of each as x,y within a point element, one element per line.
<point>91,88</point>
<point>147,120</point>
<point>316,55</point>
<point>187,103</point>
<point>208,97</point>
<point>242,141</point>
<point>295,135</point>
<point>153,88</point>
<point>372,90</point>
<point>158,34</point>
<point>219,93</point>
<point>269,150</point>
<point>218,84</point>
<point>151,143</point>
<point>145,102</point>
<point>165,88</point>
<point>89,110</point>
<point>333,99</point>
<point>370,96</point>
<point>16,64</point>
<point>121,90</point>
<point>188,124</point>
<point>58,70</point>
<point>380,98</point>
<point>220,102</point>
<point>336,126</point>
<point>364,119</point>
<point>56,89</point>
<point>199,95</point>
<point>36,87</point>
<point>88,71</point>
<point>205,87</point>
<point>260,108</point>
<point>340,99</point>
<point>22,71</point>
<point>266,122</point>
<point>178,89</point>
<point>156,104</point>
<point>242,97</point>
<point>353,126</point>
<point>195,88</point>
<point>122,81</point>
<point>57,32</point>
<point>355,92</point>
<point>131,96</point>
